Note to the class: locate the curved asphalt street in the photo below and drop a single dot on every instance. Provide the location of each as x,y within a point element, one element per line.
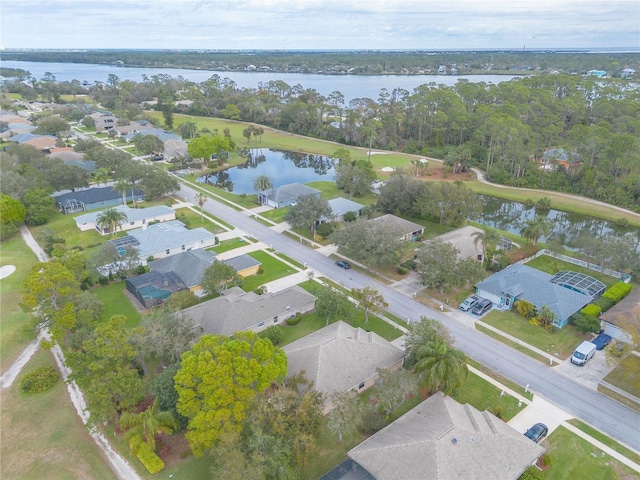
<point>616,420</point>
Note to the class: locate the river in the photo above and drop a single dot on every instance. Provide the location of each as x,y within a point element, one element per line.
<point>351,86</point>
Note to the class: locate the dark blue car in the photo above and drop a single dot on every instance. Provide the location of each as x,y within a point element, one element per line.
<point>601,341</point>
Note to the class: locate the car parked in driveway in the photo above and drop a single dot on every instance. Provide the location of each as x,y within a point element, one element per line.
<point>537,433</point>
<point>468,303</point>
<point>601,341</point>
<point>482,306</point>
<point>343,264</point>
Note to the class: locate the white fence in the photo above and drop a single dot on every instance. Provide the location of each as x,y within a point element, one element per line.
<point>575,261</point>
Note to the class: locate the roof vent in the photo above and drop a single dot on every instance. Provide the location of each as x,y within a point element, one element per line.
<point>473,439</point>
<point>454,440</point>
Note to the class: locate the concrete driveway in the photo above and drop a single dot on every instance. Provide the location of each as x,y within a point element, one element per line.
<point>589,374</point>
<point>539,411</point>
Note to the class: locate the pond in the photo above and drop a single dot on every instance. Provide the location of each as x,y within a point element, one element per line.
<point>282,167</point>
<point>511,217</point>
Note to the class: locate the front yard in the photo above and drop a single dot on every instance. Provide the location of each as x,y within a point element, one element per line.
<point>560,343</point>
<point>626,375</point>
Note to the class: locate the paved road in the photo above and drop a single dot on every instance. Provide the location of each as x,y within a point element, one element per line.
<point>618,421</point>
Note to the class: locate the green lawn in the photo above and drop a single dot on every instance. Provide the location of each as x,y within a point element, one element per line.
<point>227,245</point>
<point>64,226</point>
<point>483,395</point>
<point>276,215</point>
<point>13,336</point>
<point>116,303</point>
<point>273,270</point>
<point>192,220</point>
<point>553,265</point>
<point>608,441</point>
<point>560,343</point>
<point>43,437</point>
<point>626,375</point>
<point>572,457</point>
<point>512,344</point>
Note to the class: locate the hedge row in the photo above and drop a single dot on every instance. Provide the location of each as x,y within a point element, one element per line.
<point>591,310</point>
<point>617,292</point>
<point>152,462</point>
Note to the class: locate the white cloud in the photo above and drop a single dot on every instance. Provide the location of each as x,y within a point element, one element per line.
<point>318,24</point>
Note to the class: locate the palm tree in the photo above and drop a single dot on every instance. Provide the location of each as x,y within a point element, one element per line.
<point>201,198</point>
<point>121,186</point>
<point>112,219</point>
<point>489,239</point>
<point>143,426</point>
<point>101,175</point>
<point>445,368</point>
<point>535,228</point>
<point>262,183</point>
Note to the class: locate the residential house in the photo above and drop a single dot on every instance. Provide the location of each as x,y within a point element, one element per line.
<point>285,195</point>
<point>136,218</point>
<point>625,313</point>
<point>340,206</point>
<point>162,240</point>
<point>404,229</point>
<point>104,120</point>
<point>627,72</point>
<point>173,145</point>
<point>555,157</point>
<point>41,142</point>
<point>342,358</point>
<point>441,439</point>
<point>190,266</point>
<point>236,310</point>
<point>152,288</point>
<point>92,198</point>
<point>565,293</point>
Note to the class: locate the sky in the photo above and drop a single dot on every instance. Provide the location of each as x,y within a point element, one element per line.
<point>320,24</point>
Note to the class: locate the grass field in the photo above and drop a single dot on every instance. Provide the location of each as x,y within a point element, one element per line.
<point>116,303</point>
<point>12,319</point>
<point>560,343</point>
<point>64,226</point>
<point>192,220</point>
<point>273,270</point>
<point>43,437</point>
<point>626,375</point>
<point>606,440</point>
<point>512,344</point>
<point>572,457</point>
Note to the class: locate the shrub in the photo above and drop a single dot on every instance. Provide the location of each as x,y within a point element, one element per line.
<point>152,462</point>
<point>617,292</point>
<point>273,333</point>
<point>605,303</point>
<point>325,229</point>
<point>103,280</point>
<point>140,269</point>
<point>372,421</point>
<point>409,264</point>
<point>260,270</point>
<point>591,310</point>
<point>525,309</point>
<point>349,217</point>
<point>294,320</point>
<point>587,323</point>
<point>39,380</point>
<point>402,270</point>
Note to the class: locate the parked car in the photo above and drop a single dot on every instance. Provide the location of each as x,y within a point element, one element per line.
<point>468,303</point>
<point>583,353</point>
<point>343,264</point>
<point>482,306</point>
<point>601,341</point>
<point>537,433</point>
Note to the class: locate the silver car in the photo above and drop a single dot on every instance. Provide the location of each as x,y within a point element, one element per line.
<point>468,303</point>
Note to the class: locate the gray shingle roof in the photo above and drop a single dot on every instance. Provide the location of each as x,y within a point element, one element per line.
<point>340,206</point>
<point>535,287</point>
<point>242,262</point>
<point>235,310</point>
<point>133,214</point>
<point>288,192</point>
<point>94,195</point>
<point>189,266</point>
<point>398,225</point>
<point>167,235</point>
<point>442,439</point>
<point>339,357</point>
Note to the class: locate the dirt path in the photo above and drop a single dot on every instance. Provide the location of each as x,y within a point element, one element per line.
<point>118,464</point>
<point>481,179</point>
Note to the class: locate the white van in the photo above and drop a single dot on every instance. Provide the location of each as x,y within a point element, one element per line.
<point>583,353</point>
